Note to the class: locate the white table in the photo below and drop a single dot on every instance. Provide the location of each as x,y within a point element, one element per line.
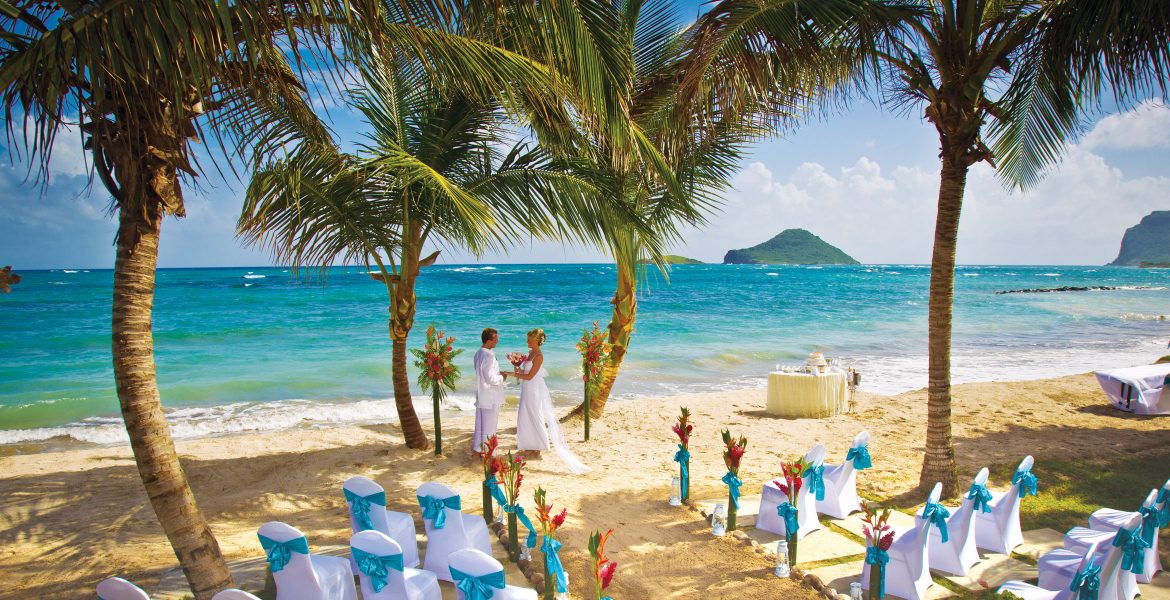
<point>807,395</point>
<point>1140,390</point>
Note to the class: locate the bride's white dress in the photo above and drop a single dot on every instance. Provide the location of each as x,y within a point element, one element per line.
<point>535,414</point>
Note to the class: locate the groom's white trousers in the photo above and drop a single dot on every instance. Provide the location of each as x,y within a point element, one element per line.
<point>486,420</point>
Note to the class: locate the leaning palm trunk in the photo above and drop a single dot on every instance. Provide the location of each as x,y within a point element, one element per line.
<point>621,329</point>
<point>938,463</point>
<point>134,373</point>
<point>402,308</point>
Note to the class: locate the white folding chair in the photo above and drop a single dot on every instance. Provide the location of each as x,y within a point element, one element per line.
<point>458,530</point>
<point>999,530</point>
<point>908,572</point>
<point>234,594</point>
<point>300,575</point>
<point>958,554</point>
<point>1078,539</point>
<point>473,568</point>
<point>841,480</point>
<point>771,498</point>
<point>367,510</point>
<point>1109,519</point>
<point>382,570</point>
<point>1028,591</point>
<point>1059,567</point>
<point>116,588</point>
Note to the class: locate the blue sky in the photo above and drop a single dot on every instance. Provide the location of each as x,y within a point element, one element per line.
<point>864,179</point>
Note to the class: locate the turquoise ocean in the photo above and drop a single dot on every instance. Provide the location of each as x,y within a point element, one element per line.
<point>250,349</point>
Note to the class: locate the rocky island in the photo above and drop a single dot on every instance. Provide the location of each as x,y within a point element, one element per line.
<point>791,247</point>
<point>1147,243</point>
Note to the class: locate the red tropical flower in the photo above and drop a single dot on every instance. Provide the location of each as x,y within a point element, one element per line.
<point>607,572</point>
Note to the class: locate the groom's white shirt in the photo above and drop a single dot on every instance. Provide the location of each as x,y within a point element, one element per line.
<point>489,384</point>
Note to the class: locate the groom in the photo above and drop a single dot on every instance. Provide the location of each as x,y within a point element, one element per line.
<point>489,390</point>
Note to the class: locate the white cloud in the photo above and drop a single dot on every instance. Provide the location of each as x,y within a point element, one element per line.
<point>1145,127</point>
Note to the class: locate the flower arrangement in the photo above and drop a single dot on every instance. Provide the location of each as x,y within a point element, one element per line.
<point>437,372</point>
<point>491,486</point>
<point>731,457</point>
<point>879,536</point>
<point>683,457</point>
<point>791,471</point>
<point>511,473</point>
<point>594,350</point>
<point>516,358</point>
<point>549,524</point>
<point>603,568</point>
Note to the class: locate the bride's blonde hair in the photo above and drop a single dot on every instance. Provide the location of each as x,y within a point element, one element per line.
<point>538,333</point>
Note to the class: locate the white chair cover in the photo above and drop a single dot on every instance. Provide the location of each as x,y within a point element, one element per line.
<point>477,564</point>
<point>407,584</point>
<point>116,588</point>
<point>1059,567</point>
<point>908,572</point>
<point>1141,390</point>
<point>958,555</point>
<point>1109,519</point>
<point>234,594</point>
<point>306,576</point>
<point>806,517</point>
<point>841,484</point>
<point>999,530</point>
<point>1078,539</point>
<point>1028,591</point>
<point>459,532</point>
<point>399,526</point>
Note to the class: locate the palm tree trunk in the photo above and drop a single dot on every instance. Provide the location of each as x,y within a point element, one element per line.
<point>150,436</point>
<point>938,463</point>
<point>402,308</point>
<point>621,329</point>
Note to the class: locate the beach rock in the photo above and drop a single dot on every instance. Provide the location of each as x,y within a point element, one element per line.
<point>791,247</point>
<point>1148,241</point>
<point>1069,288</point>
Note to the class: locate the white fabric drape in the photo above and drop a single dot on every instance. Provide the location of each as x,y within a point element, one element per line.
<point>536,413</point>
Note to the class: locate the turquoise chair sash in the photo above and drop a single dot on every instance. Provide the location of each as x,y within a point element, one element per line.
<point>1133,550</point>
<point>937,514</point>
<point>478,588</point>
<point>877,558</point>
<point>816,480</point>
<point>1151,520</point>
<point>787,512</point>
<point>361,507</point>
<point>860,457</point>
<point>524,520</point>
<point>1164,512</point>
<point>376,567</point>
<point>1087,583</point>
<point>733,485</point>
<point>433,509</point>
<point>1027,482</point>
<point>683,458</point>
<point>980,497</point>
<point>552,560</point>
<point>279,553</point>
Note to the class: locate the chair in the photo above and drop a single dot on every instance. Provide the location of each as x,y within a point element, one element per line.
<point>382,572</point>
<point>1058,568</point>
<point>116,588</point>
<point>234,594</point>
<point>771,497</point>
<point>299,575</point>
<point>1108,519</point>
<point>471,567</point>
<point>841,480</point>
<point>458,530</point>
<point>908,573</point>
<point>369,498</point>
<point>1028,591</point>
<point>1078,539</point>
<point>958,554</point>
<point>999,530</point>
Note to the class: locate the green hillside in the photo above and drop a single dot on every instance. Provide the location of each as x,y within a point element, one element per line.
<point>1148,241</point>
<point>791,247</point>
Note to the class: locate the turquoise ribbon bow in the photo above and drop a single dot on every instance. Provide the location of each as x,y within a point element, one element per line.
<point>877,558</point>
<point>1133,550</point>
<point>1164,500</point>
<point>1087,583</point>
<point>478,588</point>
<point>937,514</point>
<point>816,480</point>
<point>279,553</point>
<point>552,560</point>
<point>495,490</point>
<point>733,484</point>
<point>361,507</point>
<point>788,512</point>
<point>433,508</point>
<point>860,457</point>
<point>1027,482</point>
<point>683,458</point>
<point>980,497</point>
<point>376,567</point>
<point>1151,520</point>
<point>524,520</point>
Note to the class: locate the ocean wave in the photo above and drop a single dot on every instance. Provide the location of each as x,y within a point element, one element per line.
<point>970,274</point>
<point>1049,275</point>
<point>1144,317</point>
<point>772,274</point>
<point>252,275</point>
<point>69,271</point>
<point>472,269</point>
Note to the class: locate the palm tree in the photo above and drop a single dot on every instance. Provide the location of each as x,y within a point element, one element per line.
<point>429,172</point>
<point>143,80</point>
<point>1022,69</point>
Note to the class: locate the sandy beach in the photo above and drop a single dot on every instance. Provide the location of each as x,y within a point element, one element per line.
<point>69,518</point>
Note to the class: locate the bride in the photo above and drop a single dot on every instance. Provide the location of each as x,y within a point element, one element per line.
<point>536,409</point>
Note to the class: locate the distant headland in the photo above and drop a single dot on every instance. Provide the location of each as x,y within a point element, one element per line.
<point>1146,244</point>
<point>791,247</point>
<point>674,259</point>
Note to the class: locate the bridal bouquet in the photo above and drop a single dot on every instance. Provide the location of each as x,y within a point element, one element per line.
<point>603,568</point>
<point>731,456</point>
<point>683,457</point>
<point>516,358</point>
<point>549,524</point>
<point>594,351</point>
<point>791,471</point>
<point>879,536</point>
<point>437,373</point>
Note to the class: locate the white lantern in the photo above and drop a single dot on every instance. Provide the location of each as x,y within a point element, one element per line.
<point>675,491</point>
<point>782,559</point>
<point>719,521</point>
<point>855,591</point>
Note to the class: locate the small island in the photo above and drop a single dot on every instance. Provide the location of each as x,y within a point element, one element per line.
<point>674,259</point>
<point>1146,244</point>
<point>791,247</point>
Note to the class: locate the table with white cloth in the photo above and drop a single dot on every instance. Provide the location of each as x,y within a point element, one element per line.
<point>1140,390</point>
<point>807,394</point>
